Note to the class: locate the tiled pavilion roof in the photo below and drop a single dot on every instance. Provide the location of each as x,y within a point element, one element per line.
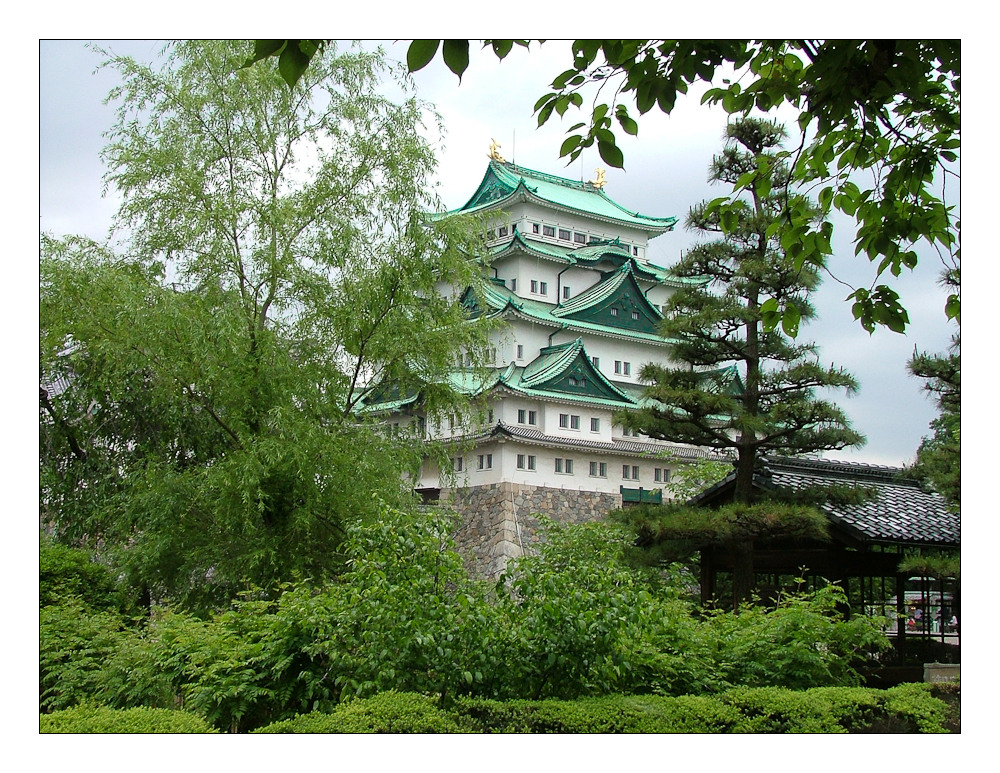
<point>901,513</point>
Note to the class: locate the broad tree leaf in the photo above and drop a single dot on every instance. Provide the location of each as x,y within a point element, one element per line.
<point>456,55</point>
<point>611,154</point>
<point>420,53</point>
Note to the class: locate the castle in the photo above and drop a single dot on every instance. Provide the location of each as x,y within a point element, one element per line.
<point>581,306</point>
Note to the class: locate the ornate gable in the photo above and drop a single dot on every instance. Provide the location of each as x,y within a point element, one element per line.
<point>616,301</point>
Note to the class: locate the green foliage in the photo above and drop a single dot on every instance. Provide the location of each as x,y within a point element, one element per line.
<point>387,712</point>
<point>889,110</point>
<point>65,572</point>
<point>916,702</point>
<point>208,422</point>
<point>75,643</point>
<point>940,566</point>
<point>293,56</point>
<point>573,619</point>
<point>101,719</point>
<point>700,527</point>
<point>939,458</point>
<point>574,609</point>
<point>803,642</point>
<point>688,478</point>
<point>716,326</point>
<point>403,616</point>
<point>604,714</point>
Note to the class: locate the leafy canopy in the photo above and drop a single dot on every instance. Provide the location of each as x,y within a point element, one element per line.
<point>201,384</point>
<point>880,124</point>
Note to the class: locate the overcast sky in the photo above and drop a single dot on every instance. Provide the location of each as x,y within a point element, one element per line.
<point>665,173</point>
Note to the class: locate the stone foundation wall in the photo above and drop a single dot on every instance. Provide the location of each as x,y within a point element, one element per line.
<point>498,523</point>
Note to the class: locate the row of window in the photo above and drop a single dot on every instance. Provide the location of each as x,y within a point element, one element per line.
<point>564,466</point>
<point>564,234</point>
<point>541,287</point>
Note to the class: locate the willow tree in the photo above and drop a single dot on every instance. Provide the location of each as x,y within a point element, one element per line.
<point>273,259</point>
<point>726,326</point>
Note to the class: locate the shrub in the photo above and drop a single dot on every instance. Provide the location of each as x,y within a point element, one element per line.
<point>65,572</point>
<point>75,643</point>
<point>101,719</point>
<point>916,702</point>
<point>388,712</point>
<point>804,642</point>
<point>606,714</point>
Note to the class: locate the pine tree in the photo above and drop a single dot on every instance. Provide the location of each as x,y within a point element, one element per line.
<point>720,325</point>
<point>939,458</point>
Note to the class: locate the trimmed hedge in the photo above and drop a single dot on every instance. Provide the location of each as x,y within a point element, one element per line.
<point>910,708</point>
<point>387,712</point>
<point>101,719</point>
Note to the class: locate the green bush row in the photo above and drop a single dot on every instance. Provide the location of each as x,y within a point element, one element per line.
<point>909,708</point>
<point>101,719</point>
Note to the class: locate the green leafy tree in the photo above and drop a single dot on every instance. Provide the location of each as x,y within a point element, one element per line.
<point>200,382</point>
<point>939,458</point>
<point>885,111</point>
<point>724,324</point>
<point>715,326</point>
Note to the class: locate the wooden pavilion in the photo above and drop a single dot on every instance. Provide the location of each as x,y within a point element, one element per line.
<point>868,540</point>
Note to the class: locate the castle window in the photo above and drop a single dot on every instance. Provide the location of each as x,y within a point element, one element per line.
<point>661,474</point>
<point>566,292</point>
<point>458,462</point>
<point>596,361</point>
<point>548,230</point>
<point>513,285</point>
<point>626,368</point>
<point>595,424</point>
<point>580,238</point>
<point>564,234</point>
<point>503,230</point>
<point>614,312</point>
<point>635,251</point>
<point>543,288</point>
<point>532,417</point>
<point>525,462</point>
<point>534,228</point>
<point>630,472</point>
<point>635,315</point>
<point>520,351</point>
<point>486,461</point>
<point>598,469</point>
<point>564,466</point>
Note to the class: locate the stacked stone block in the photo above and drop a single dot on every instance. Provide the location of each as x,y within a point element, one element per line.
<point>498,521</point>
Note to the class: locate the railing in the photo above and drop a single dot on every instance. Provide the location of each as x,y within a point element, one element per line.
<point>641,496</point>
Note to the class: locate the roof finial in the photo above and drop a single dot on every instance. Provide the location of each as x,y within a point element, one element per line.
<point>495,152</point>
<point>600,182</point>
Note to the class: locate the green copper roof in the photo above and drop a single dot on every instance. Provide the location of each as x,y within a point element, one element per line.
<point>615,300</point>
<point>498,300</point>
<point>563,372</point>
<point>504,181</point>
<point>612,252</point>
<point>567,369</point>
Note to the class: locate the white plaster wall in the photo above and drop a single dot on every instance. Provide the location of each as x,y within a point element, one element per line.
<point>526,213</point>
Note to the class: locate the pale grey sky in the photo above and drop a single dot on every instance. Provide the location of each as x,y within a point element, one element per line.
<point>665,173</point>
